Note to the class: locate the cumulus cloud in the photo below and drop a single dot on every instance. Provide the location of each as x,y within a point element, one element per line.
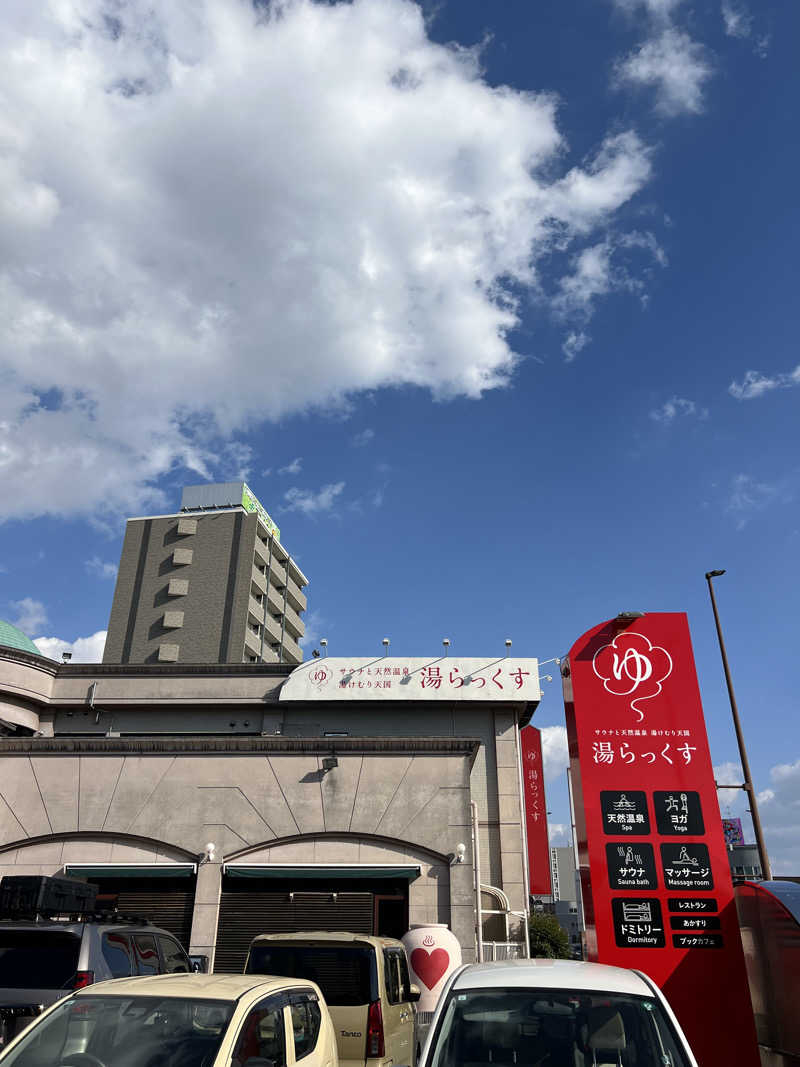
<point>31,614</point>
<point>555,750</point>
<point>779,808</point>
<point>311,503</point>
<point>594,273</point>
<point>292,468</point>
<point>677,406</point>
<point>100,568</point>
<point>737,19</point>
<point>658,9</point>
<point>673,64</point>
<point>259,210</point>
<point>755,384</point>
<point>83,649</point>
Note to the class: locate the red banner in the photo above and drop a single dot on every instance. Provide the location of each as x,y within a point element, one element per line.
<point>535,811</point>
<point>657,890</point>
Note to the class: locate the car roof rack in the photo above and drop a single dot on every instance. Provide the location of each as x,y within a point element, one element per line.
<point>97,916</point>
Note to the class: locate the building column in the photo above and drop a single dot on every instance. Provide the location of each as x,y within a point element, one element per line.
<point>511,854</point>
<point>205,915</point>
<point>462,905</point>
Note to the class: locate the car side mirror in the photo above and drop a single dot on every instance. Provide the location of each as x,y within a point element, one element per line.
<point>414,993</point>
<point>199,964</point>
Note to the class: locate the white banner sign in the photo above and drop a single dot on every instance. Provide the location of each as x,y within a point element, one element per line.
<point>392,678</point>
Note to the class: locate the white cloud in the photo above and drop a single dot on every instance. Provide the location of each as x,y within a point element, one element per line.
<point>170,278</point>
<point>311,503</point>
<point>779,808</point>
<point>737,19</point>
<point>749,496</point>
<point>594,274</point>
<point>575,342</point>
<point>31,614</point>
<point>658,9</point>
<point>83,649</point>
<point>674,65</point>
<point>755,384</point>
<point>360,440</point>
<point>559,834</point>
<point>316,627</point>
<point>101,569</point>
<point>675,407</point>
<point>555,750</point>
<point>292,468</point>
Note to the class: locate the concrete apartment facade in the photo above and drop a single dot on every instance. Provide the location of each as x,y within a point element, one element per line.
<point>365,807</point>
<point>210,584</point>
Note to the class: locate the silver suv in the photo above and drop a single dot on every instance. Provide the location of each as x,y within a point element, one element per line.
<point>42,961</point>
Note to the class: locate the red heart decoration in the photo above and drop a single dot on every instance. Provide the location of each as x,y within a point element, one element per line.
<point>430,966</point>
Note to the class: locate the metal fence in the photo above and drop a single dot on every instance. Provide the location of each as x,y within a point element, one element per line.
<point>503,950</point>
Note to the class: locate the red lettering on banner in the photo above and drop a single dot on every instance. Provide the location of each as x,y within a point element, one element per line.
<point>648,824</point>
<point>535,811</point>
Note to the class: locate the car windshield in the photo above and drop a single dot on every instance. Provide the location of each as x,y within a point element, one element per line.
<point>346,974</point>
<point>38,959</point>
<point>116,1031</point>
<point>553,1028</point>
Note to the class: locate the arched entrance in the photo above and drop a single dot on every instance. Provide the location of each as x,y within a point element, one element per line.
<point>362,884</point>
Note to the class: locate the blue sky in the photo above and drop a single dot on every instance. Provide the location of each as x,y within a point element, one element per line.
<point>492,305</point>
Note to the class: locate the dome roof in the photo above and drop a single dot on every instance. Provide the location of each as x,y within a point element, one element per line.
<point>15,638</point>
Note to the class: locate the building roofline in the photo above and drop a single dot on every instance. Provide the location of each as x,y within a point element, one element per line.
<point>174,670</point>
<point>193,512</point>
<point>239,745</point>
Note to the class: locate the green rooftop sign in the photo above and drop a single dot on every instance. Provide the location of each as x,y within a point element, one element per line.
<point>251,503</point>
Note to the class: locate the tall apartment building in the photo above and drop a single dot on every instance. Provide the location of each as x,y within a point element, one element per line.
<point>210,584</point>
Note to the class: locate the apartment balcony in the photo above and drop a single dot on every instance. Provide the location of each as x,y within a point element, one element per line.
<point>295,597</point>
<point>294,624</point>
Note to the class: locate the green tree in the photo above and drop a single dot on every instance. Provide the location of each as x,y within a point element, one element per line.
<point>548,939</point>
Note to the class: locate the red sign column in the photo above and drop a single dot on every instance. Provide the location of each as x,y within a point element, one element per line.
<point>657,889</point>
<point>535,811</point>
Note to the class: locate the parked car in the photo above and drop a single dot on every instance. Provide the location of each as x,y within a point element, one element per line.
<point>43,961</point>
<point>182,1020</point>
<point>366,985</point>
<point>553,1013</point>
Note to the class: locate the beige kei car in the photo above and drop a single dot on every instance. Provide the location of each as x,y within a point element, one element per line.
<point>366,985</point>
<point>182,1020</point>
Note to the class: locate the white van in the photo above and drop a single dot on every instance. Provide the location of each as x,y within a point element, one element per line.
<point>366,985</point>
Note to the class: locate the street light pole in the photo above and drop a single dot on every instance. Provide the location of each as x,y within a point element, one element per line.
<point>748,782</point>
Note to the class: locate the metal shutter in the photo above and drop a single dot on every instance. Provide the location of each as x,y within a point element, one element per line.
<point>171,909</point>
<point>245,915</point>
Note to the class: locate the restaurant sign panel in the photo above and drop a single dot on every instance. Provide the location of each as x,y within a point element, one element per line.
<point>656,882</point>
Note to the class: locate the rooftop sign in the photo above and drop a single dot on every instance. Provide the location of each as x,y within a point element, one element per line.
<point>394,678</point>
<point>227,495</point>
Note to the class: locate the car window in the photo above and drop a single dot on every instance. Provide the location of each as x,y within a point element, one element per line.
<point>131,1030</point>
<point>118,954</point>
<point>392,976</point>
<point>146,954</point>
<point>262,1035</point>
<point>306,1022</point>
<point>175,959</point>
<point>38,959</point>
<point>405,979</point>
<point>554,1028</point>
<point>346,974</point>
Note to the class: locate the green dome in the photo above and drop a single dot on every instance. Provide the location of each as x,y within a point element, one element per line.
<point>14,638</point>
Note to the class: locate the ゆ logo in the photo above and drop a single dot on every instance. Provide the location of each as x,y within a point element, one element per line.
<point>630,665</point>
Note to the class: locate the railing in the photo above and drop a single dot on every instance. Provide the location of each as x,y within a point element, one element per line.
<point>503,950</point>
